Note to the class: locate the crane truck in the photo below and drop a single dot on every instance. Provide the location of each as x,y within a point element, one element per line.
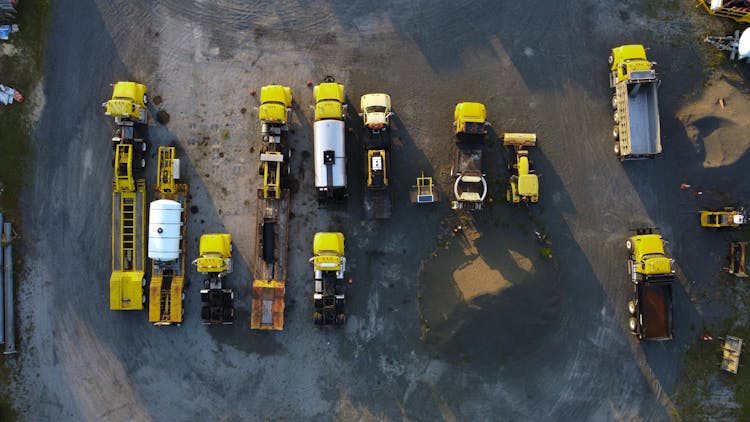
<point>128,106</point>
<point>330,141</point>
<point>215,261</point>
<point>376,114</point>
<point>166,242</point>
<point>652,275</point>
<point>635,103</point>
<point>329,266</point>
<point>470,186</point>
<point>128,279</point>
<point>523,183</point>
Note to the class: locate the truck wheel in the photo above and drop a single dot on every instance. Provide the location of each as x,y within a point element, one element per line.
<point>144,146</point>
<point>143,282</point>
<point>631,307</point>
<point>143,299</point>
<point>629,245</point>
<point>614,102</point>
<point>633,325</point>
<point>616,117</point>
<point>610,59</point>
<point>617,148</point>
<point>318,318</point>
<point>143,163</point>
<point>616,131</point>
<point>145,99</point>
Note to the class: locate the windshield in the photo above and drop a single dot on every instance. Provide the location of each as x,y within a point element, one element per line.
<point>375,109</point>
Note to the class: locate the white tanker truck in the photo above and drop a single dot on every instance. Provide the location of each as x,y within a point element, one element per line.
<point>330,141</point>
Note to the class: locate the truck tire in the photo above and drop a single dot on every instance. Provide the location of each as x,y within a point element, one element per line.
<point>143,282</point>
<point>143,299</point>
<point>616,116</point>
<point>143,163</point>
<point>617,148</point>
<point>614,102</point>
<point>633,325</point>
<point>631,307</point>
<point>629,245</point>
<point>610,59</point>
<point>144,146</point>
<point>145,99</point>
<point>616,131</point>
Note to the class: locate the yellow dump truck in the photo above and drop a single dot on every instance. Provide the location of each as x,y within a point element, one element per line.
<point>128,106</point>
<point>376,115</point>
<point>738,10</point>
<point>637,130</point>
<point>652,275</point>
<point>128,240</point>
<point>275,112</point>
<point>330,141</point>
<point>470,186</point>
<point>215,262</point>
<point>523,182</point>
<point>329,266</point>
<point>166,242</point>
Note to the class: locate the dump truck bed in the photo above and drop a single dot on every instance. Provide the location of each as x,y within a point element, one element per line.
<point>270,265</point>
<point>655,300</point>
<point>128,248</point>
<point>640,133</point>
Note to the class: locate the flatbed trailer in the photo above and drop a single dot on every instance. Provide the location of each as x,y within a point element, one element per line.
<point>166,294</point>
<point>128,241</point>
<point>270,265</point>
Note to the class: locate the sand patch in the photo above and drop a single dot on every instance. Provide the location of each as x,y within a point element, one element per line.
<point>720,131</point>
<point>476,278</point>
<point>523,262</point>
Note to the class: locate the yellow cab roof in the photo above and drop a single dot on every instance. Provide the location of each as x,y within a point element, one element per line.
<point>631,52</point>
<point>470,112</point>
<point>528,185</point>
<point>648,244</point>
<point>328,243</point>
<point>370,100</point>
<point>329,91</point>
<point>217,243</point>
<point>276,94</point>
<point>130,90</point>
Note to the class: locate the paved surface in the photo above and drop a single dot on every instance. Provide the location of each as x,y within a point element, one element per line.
<point>536,339</point>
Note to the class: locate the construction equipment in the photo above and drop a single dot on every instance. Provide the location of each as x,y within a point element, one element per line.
<point>737,257</point>
<point>275,112</point>
<point>523,183</point>
<point>636,112</point>
<point>424,191</point>
<point>739,10</point>
<point>129,108</point>
<point>730,354</point>
<point>215,262</point>
<point>270,266</point>
<point>274,165</point>
<point>728,217</point>
<point>166,242</point>
<point>128,225</point>
<point>330,142</point>
<point>652,276</point>
<point>738,45</point>
<point>376,114</point>
<point>329,265</point>
<point>470,186</point>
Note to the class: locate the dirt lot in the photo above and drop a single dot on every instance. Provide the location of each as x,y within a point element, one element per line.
<point>441,326</point>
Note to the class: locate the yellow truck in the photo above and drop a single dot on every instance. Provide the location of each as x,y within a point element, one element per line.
<point>652,275</point>
<point>215,262</point>
<point>166,242</point>
<point>128,276</point>
<point>637,130</point>
<point>129,107</point>
<point>329,266</point>
<point>728,217</point>
<point>470,185</point>
<point>523,182</point>
<point>376,115</point>
<point>275,112</point>
<point>330,141</point>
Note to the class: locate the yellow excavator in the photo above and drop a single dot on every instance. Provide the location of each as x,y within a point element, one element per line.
<point>128,224</point>
<point>166,245</point>
<point>524,183</point>
<point>129,107</point>
<point>215,261</point>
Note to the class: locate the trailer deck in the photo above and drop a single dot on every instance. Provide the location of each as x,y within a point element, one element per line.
<point>128,260</point>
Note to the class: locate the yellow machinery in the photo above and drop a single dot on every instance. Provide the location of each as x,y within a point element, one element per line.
<point>273,165</point>
<point>275,112</point>
<point>128,224</point>
<point>377,174</point>
<point>652,276</point>
<point>728,9</point>
<point>728,217</point>
<point>329,100</point>
<point>524,184</point>
<point>215,261</point>
<point>424,191</point>
<point>376,114</point>
<point>129,108</point>
<point>470,185</point>
<point>329,265</point>
<point>166,246</point>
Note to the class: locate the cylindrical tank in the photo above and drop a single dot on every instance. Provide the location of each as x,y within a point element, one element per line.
<point>330,154</point>
<point>164,230</point>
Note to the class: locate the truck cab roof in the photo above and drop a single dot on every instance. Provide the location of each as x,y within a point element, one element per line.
<point>470,117</point>
<point>275,100</point>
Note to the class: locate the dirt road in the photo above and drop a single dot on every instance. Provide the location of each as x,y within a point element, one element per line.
<point>467,327</point>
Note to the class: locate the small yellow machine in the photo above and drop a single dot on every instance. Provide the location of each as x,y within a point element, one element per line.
<point>166,246</point>
<point>275,112</point>
<point>273,165</point>
<point>652,275</point>
<point>524,183</point>
<point>424,191</point>
<point>732,9</point>
<point>215,261</point>
<point>128,224</point>
<point>329,265</point>
<point>728,217</point>
<point>329,100</point>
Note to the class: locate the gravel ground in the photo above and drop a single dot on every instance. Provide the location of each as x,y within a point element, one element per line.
<point>531,339</point>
